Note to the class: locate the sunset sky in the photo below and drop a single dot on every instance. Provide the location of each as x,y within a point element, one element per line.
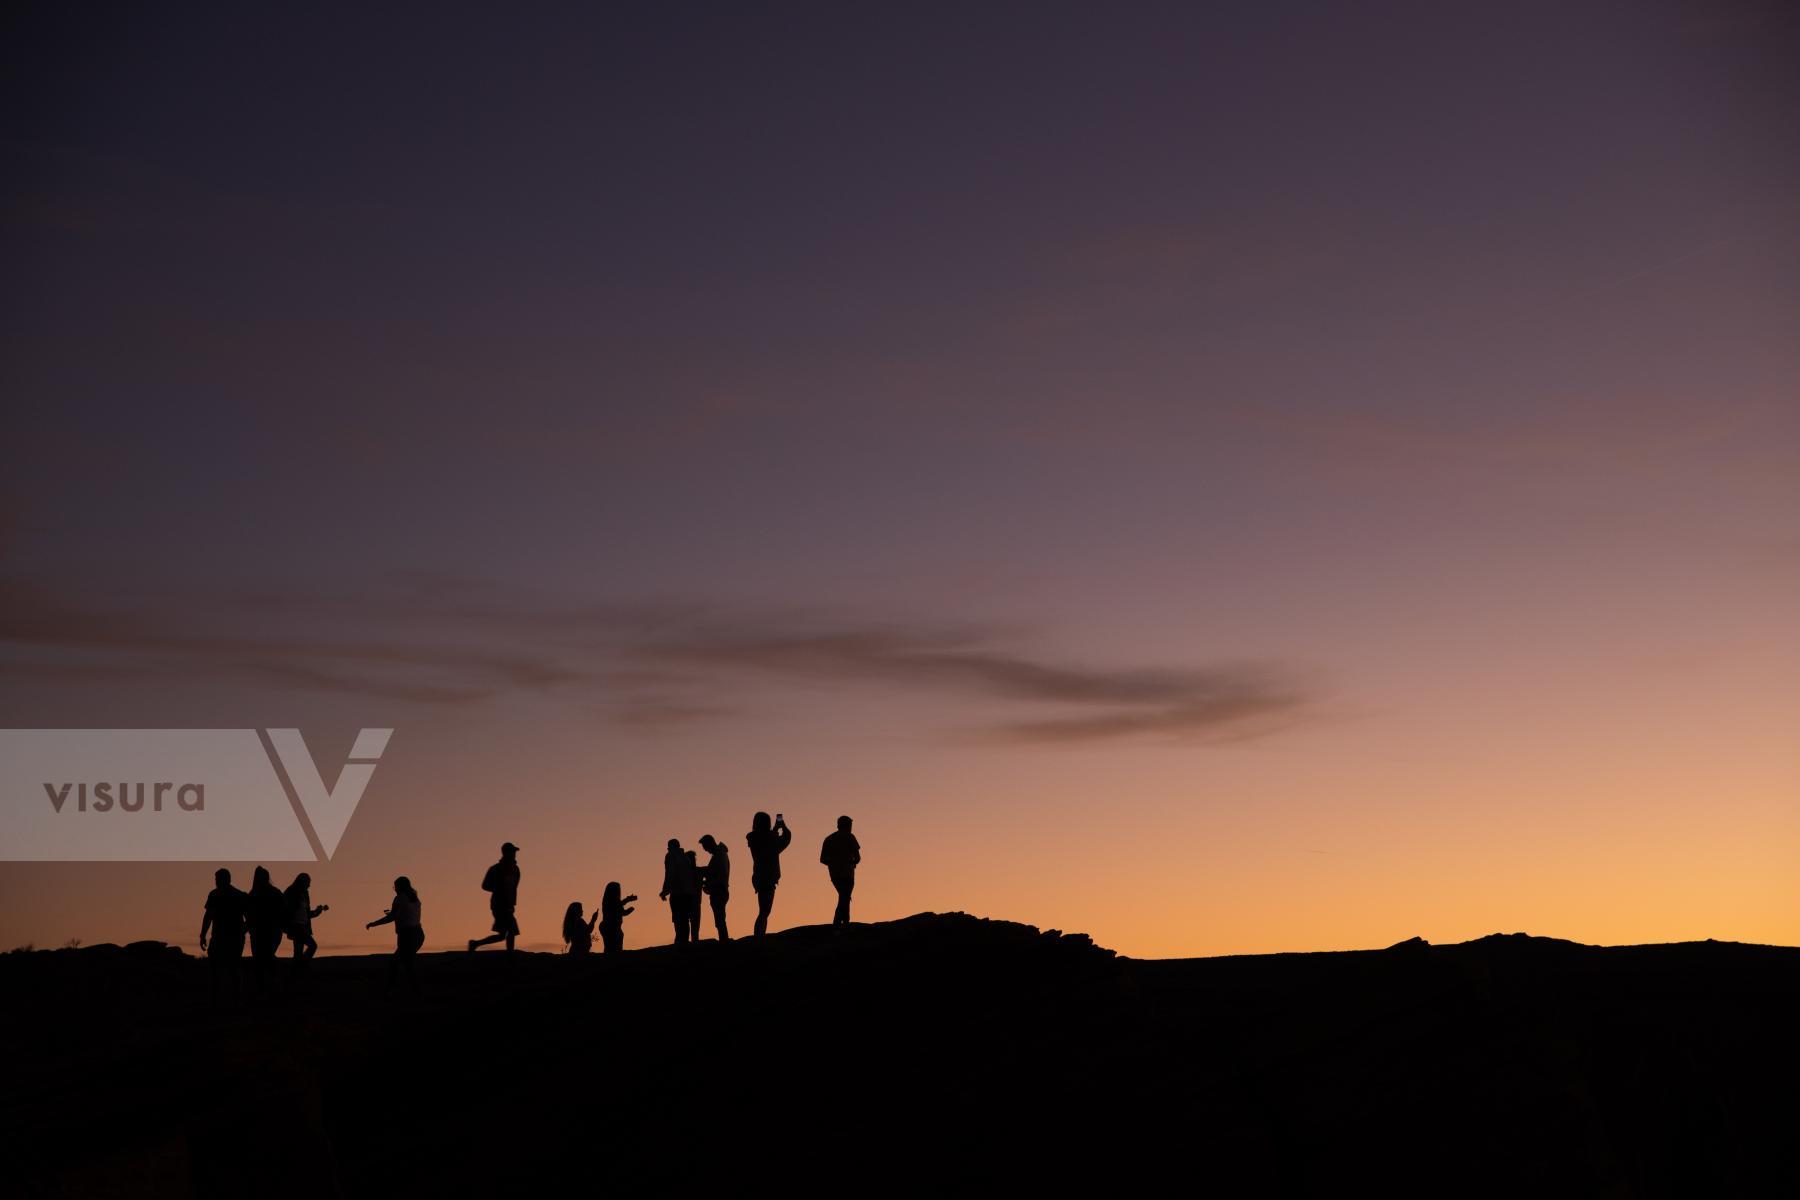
<point>1221,478</point>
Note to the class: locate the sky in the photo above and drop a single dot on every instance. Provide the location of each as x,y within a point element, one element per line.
<point>1224,479</point>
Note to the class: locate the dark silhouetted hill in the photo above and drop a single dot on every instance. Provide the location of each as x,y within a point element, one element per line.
<point>940,1052</point>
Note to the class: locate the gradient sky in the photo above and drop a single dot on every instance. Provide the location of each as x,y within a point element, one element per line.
<point>1231,478</point>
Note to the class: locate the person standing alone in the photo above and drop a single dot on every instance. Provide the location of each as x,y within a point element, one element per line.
<point>840,854</point>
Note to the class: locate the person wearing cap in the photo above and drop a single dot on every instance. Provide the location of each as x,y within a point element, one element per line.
<point>501,883</point>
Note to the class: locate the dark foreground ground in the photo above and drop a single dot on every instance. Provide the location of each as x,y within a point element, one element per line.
<point>938,1052</point>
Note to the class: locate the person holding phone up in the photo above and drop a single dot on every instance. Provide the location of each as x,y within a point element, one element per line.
<point>766,843</point>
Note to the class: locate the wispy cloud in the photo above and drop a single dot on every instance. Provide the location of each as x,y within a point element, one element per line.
<point>1112,702</point>
<point>653,665</point>
<point>201,636</point>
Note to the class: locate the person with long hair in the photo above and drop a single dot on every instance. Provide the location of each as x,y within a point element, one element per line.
<point>766,841</point>
<point>406,916</point>
<point>264,908</point>
<point>579,933</point>
<point>614,908</point>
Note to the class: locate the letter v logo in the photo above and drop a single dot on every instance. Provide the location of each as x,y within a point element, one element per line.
<point>328,810</point>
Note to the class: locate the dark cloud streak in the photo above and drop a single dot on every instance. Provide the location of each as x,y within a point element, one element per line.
<point>1177,703</point>
<point>655,665</point>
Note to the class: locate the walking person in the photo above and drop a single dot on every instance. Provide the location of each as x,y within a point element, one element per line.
<point>406,916</point>
<point>840,854</point>
<point>766,843</point>
<point>716,880</point>
<point>501,883</point>
<point>222,935</point>
<point>680,889</point>
<point>300,913</point>
<point>578,932</point>
<point>613,911</point>
<point>263,910</point>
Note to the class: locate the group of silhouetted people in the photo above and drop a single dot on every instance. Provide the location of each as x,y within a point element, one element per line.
<point>685,880</point>
<point>266,914</point>
<point>609,919</point>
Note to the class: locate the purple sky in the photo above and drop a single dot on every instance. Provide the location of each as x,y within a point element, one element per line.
<point>1252,476</point>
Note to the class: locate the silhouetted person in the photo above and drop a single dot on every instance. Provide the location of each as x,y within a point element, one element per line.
<point>766,843</point>
<point>613,911</point>
<point>694,900</point>
<point>840,854</point>
<point>578,932</point>
<point>716,880</point>
<point>681,889</point>
<point>224,922</point>
<point>300,913</point>
<point>265,912</point>
<point>501,883</point>
<point>406,915</point>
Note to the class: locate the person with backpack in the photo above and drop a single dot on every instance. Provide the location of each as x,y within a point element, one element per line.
<point>501,883</point>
